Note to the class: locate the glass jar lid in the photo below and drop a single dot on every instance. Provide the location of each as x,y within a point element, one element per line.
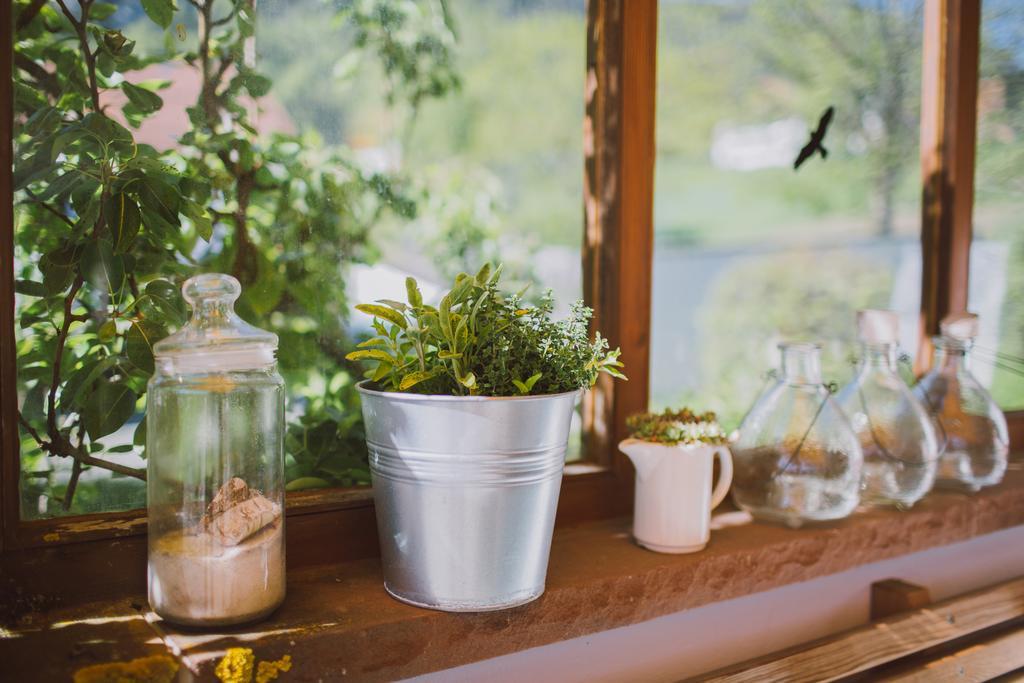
<point>215,339</point>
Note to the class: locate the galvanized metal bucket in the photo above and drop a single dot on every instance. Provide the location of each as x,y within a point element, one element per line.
<point>466,490</point>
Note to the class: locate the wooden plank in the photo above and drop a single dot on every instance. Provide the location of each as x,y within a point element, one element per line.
<point>949,94</point>
<point>112,639</point>
<point>893,596</point>
<point>339,616</point>
<point>887,640</point>
<point>618,215</point>
<point>977,661</point>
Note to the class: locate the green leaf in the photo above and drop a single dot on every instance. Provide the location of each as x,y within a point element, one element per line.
<point>117,44</point>
<point>57,276</point>
<point>123,220</point>
<point>369,354</point>
<point>444,316</point>
<point>29,288</point>
<point>414,378</point>
<point>102,10</point>
<point>138,343</point>
<point>147,102</point>
<point>168,302</point>
<point>382,371</point>
<point>258,85</point>
<point>60,143</point>
<point>104,269</point>
<point>204,225</point>
<point>385,313</point>
<point>60,186</point>
<point>160,11</point>
<point>483,275</point>
<point>305,483</point>
<point>523,389</point>
<point>108,406</point>
<point>376,342</point>
<point>107,331</point>
<point>139,438</point>
<point>81,379</point>
<point>412,291</point>
<point>446,355</point>
<point>391,303</point>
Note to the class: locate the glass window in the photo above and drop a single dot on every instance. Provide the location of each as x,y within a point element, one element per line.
<point>320,152</point>
<point>748,250</point>
<point>997,250</point>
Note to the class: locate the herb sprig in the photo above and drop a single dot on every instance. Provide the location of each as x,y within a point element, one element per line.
<point>481,341</point>
<point>676,427</point>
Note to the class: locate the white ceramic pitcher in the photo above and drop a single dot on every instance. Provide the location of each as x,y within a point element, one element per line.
<point>674,500</point>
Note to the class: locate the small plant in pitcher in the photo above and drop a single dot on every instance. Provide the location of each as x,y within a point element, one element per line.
<point>675,427</point>
<point>481,341</point>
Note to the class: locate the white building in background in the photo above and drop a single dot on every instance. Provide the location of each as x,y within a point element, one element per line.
<point>753,147</point>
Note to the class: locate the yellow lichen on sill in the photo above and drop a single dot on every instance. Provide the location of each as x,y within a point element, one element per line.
<point>237,667</point>
<point>153,669</point>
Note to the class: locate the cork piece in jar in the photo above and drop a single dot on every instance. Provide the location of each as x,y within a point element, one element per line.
<point>237,512</point>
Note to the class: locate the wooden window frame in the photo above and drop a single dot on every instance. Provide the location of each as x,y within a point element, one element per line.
<point>949,99</point>
<point>619,149</point>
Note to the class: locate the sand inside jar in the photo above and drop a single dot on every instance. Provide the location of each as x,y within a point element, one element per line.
<point>228,569</point>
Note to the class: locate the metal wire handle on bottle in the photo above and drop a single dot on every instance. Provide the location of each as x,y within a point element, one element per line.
<point>830,388</point>
<point>881,447</point>
<point>768,377</point>
<point>905,360</point>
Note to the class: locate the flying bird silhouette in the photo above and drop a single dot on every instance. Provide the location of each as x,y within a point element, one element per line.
<point>817,137</point>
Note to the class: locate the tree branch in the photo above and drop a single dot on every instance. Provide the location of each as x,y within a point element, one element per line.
<point>43,78</point>
<point>28,14</point>
<point>62,338</point>
<point>137,473</point>
<point>43,444</point>
<point>69,492</point>
<point>49,208</point>
<point>79,454</point>
<point>83,39</point>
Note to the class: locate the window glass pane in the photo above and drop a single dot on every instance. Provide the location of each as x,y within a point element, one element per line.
<point>997,252</point>
<point>320,152</point>
<point>749,251</point>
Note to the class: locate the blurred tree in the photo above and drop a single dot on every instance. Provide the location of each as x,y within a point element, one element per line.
<point>109,227</point>
<point>862,58</point>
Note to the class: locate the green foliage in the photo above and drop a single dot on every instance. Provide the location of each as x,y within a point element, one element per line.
<point>481,341</point>
<point>109,227</point>
<point>676,427</point>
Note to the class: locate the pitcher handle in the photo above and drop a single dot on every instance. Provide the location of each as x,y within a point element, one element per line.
<point>724,476</point>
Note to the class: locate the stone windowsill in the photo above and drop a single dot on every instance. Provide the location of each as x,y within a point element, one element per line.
<point>338,619</point>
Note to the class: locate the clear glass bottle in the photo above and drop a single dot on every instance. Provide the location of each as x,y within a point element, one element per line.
<point>215,438</point>
<point>970,426</point>
<point>895,432</point>
<point>797,459</point>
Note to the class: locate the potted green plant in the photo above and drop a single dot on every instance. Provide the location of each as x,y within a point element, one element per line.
<point>674,454</point>
<point>467,408</point>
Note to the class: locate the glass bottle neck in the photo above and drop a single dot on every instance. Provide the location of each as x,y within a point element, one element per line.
<point>951,355</point>
<point>878,357</point>
<point>801,363</point>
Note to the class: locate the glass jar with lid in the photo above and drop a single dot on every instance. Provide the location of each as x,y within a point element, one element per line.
<point>215,439</point>
<point>893,426</point>
<point>970,426</point>
<point>797,459</point>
